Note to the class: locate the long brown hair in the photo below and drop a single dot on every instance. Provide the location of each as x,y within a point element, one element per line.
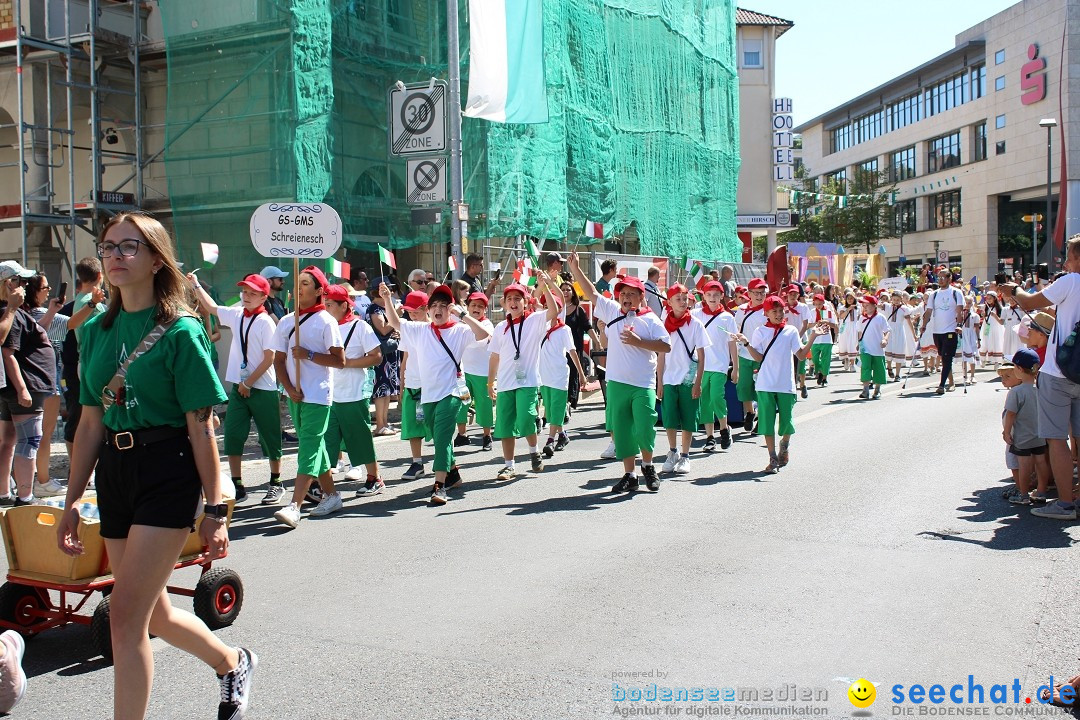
<point>170,285</point>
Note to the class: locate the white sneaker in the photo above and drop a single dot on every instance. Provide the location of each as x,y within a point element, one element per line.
<point>343,467</point>
<point>329,504</point>
<point>669,462</point>
<point>52,487</point>
<point>682,466</point>
<point>289,515</point>
<point>609,452</point>
<point>355,473</point>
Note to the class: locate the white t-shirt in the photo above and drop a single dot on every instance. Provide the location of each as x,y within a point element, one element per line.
<point>777,371</point>
<point>478,353</point>
<point>257,332</point>
<point>554,370</point>
<point>318,332</point>
<point>625,363</point>
<point>1065,294</point>
<point>413,380</point>
<point>943,304</point>
<point>718,351</point>
<point>349,382</point>
<point>361,303</point>
<point>677,362</point>
<point>438,373</point>
<point>798,315</point>
<point>827,315</point>
<point>747,324</point>
<point>519,371</point>
<point>873,331</point>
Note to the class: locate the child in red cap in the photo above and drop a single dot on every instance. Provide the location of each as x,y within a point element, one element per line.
<point>748,318</point>
<point>873,338</point>
<point>680,372</point>
<point>721,357</point>
<point>475,365</point>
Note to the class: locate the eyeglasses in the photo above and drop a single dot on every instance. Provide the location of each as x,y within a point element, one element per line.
<point>127,248</point>
<point>418,282</point>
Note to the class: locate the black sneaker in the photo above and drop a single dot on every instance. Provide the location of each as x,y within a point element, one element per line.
<point>562,441</point>
<point>314,493</point>
<point>802,392</point>
<point>236,687</point>
<point>725,439</point>
<point>748,422</point>
<point>628,483</point>
<point>453,478</point>
<point>19,502</point>
<point>537,462</point>
<point>549,449</point>
<point>289,437</point>
<point>438,494</point>
<point>241,493</point>
<point>7,500</point>
<point>710,444</point>
<point>652,481</point>
<point>462,441</point>
<point>487,442</point>
<point>415,472</point>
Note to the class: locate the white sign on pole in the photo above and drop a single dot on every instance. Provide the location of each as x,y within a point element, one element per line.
<point>417,119</point>
<point>295,230</point>
<point>425,181</point>
<point>893,283</point>
<point>943,256</point>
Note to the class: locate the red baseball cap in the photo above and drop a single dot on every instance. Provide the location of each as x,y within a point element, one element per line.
<point>477,296</point>
<point>869,299</point>
<point>516,288</point>
<point>337,293</point>
<point>675,289</point>
<point>773,301</point>
<point>757,284</point>
<point>713,285</point>
<point>442,290</point>
<point>792,288</point>
<point>820,297</point>
<point>319,276</point>
<point>255,282</point>
<point>630,282</point>
<point>557,296</point>
<point>740,288</point>
<point>415,300</point>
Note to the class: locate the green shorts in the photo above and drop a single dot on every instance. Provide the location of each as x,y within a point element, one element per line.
<point>481,402</point>
<point>631,418</point>
<point>554,404</point>
<point>822,355</point>
<point>713,402</point>
<point>311,421</point>
<point>745,386</point>
<point>515,413</point>
<point>441,421</point>
<point>262,407</point>
<point>771,403</point>
<point>800,367</point>
<point>350,424</point>
<point>410,426</point>
<point>872,368</point>
<point>679,408</point>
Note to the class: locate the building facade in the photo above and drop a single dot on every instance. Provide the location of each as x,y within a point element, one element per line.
<point>964,140</point>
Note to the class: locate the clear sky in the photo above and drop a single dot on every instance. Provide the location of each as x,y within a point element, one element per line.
<point>839,49</point>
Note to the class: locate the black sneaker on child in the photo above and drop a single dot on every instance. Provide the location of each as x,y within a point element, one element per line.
<point>549,448</point>
<point>462,441</point>
<point>236,687</point>
<point>453,478</point>
<point>652,480</point>
<point>438,494</point>
<point>725,439</point>
<point>487,443</point>
<point>562,441</point>
<point>628,483</point>
<point>748,422</point>
<point>802,392</point>
<point>710,444</point>
<point>241,493</point>
<point>537,462</point>
<point>314,493</point>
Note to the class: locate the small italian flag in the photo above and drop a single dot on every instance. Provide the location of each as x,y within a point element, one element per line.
<point>534,252</point>
<point>593,230</point>
<point>209,253</point>
<point>387,258</point>
<point>451,262</point>
<point>340,269</point>
<point>526,270</point>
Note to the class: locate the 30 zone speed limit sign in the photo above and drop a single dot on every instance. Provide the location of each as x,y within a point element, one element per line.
<point>417,120</point>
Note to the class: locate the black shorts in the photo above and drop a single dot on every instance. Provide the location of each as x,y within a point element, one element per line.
<point>156,485</point>
<point>1026,452</point>
<point>9,405</point>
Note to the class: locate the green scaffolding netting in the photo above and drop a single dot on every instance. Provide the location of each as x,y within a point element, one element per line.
<point>287,100</point>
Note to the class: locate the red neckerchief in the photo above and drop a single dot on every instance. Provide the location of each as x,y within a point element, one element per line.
<point>818,313</point>
<point>482,318</point>
<point>793,307</point>
<point>448,324</point>
<point>253,313</point>
<point>348,317</point>
<point>719,309</point>
<point>313,309</point>
<point>672,323</point>
<point>553,328</point>
<point>776,327</point>
<point>643,311</point>
<point>510,321</point>
<point>871,315</point>
<point>752,308</point>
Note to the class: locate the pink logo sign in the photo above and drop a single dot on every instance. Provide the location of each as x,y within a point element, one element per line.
<point>1032,77</point>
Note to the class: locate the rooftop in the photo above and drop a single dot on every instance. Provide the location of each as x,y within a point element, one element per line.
<point>749,17</point>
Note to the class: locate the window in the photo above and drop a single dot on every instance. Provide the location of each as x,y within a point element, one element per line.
<point>751,53</point>
<point>943,152</point>
<point>978,82</point>
<point>838,178</point>
<point>999,82</point>
<point>999,122</point>
<point>980,142</point>
<point>903,164</point>
<point>869,167</point>
<point>999,57</point>
<point>945,209</point>
<point>903,219</point>
<point>999,147</point>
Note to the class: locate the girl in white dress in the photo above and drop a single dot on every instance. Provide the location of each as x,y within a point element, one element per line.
<point>969,338</point>
<point>927,350</point>
<point>901,347</point>
<point>993,331</point>
<point>847,346</point>
<point>1013,316</point>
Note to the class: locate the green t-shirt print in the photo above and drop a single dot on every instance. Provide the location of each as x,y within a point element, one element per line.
<point>172,379</point>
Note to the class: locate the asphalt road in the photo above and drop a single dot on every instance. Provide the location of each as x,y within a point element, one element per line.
<point>884,551</point>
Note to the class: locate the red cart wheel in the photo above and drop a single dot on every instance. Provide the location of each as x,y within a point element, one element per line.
<point>219,595</point>
<point>18,605</point>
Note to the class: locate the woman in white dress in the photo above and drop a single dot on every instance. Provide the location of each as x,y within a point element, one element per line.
<point>969,338</point>
<point>1013,316</point>
<point>847,346</point>
<point>993,331</point>
<point>901,347</point>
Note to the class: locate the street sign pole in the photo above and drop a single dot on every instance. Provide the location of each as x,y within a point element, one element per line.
<point>453,58</point>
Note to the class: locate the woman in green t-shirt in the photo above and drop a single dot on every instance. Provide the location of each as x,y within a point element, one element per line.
<point>152,441</point>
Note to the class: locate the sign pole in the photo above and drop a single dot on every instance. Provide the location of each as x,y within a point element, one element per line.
<point>454,78</point>
<point>296,314</point>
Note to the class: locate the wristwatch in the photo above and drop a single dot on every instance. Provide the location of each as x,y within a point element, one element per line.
<point>310,354</point>
<point>217,511</point>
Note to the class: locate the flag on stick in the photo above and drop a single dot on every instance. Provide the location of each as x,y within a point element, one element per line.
<point>534,253</point>
<point>387,258</point>
<point>451,262</point>
<point>340,269</point>
<point>593,230</point>
<point>209,253</point>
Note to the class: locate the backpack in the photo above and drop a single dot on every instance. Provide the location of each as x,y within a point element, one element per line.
<point>1068,353</point>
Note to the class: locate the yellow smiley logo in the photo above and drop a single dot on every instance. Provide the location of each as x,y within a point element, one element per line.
<point>862,693</point>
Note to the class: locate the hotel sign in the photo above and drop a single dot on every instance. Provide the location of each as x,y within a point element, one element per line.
<point>755,220</point>
<point>783,141</point>
<point>1033,77</point>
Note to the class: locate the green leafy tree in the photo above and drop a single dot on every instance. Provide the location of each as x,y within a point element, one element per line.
<point>865,219</point>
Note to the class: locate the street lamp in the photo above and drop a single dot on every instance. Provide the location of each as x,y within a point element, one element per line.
<point>1049,124</point>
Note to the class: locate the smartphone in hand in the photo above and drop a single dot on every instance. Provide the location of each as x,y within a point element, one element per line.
<point>62,292</point>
